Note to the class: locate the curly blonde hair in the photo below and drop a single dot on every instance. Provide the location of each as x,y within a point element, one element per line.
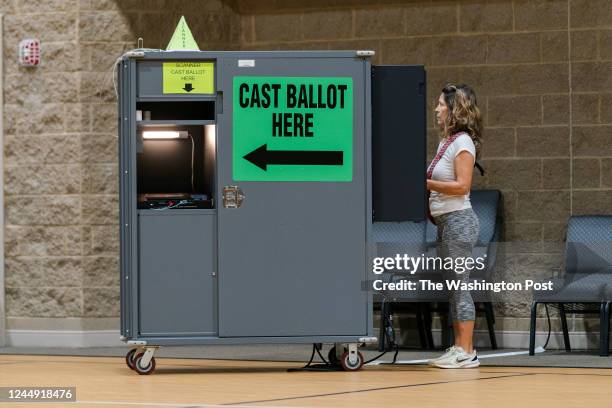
<point>463,114</point>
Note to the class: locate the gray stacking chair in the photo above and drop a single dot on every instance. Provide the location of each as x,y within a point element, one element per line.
<point>586,284</point>
<point>416,238</point>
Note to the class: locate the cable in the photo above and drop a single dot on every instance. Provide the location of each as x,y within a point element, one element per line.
<point>192,160</point>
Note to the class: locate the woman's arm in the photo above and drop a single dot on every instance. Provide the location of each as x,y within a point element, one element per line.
<point>464,167</point>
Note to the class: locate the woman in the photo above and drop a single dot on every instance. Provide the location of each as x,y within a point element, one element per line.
<point>449,178</point>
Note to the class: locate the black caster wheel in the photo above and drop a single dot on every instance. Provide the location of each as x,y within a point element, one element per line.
<point>332,358</point>
<point>143,370</point>
<point>348,365</point>
<point>129,358</point>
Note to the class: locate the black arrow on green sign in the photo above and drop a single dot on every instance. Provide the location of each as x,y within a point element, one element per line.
<point>262,157</point>
<point>188,87</point>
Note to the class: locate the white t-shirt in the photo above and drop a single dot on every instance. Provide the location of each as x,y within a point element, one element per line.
<point>445,171</point>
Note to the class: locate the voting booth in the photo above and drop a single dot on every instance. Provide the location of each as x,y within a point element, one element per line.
<point>245,200</point>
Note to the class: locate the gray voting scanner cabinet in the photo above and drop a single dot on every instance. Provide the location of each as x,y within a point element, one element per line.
<point>245,200</point>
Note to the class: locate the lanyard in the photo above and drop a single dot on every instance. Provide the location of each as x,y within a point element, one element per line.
<point>440,153</point>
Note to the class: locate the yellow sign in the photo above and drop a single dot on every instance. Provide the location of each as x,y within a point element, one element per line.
<point>189,77</point>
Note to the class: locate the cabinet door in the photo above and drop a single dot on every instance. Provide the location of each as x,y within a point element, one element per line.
<point>176,282</point>
<point>292,256</point>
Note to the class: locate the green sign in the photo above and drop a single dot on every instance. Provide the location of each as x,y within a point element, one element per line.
<point>292,128</point>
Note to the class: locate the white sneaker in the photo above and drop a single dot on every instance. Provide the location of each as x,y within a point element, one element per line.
<point>450,352</point>
<point>460,359</point>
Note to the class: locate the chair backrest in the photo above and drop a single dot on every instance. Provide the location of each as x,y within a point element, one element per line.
<point>393,238</point>
<point>485,204</point>
<point>588,247</point>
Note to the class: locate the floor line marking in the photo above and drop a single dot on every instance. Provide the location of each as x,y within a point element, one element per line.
<point>331,394</point>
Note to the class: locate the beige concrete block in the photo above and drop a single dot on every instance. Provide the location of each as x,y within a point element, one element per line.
<point>104,118</point>
<point>247,28</point>
<point>44,302</point>
<point>45,6</point>
<point>11,112</point>
<point>35,241</point>
<point>327,25</point>
<point>584,45</point>
<point>100,179</point>
<point>99,148</point>
<point>380,22</point>
<point>43,272</point>
<point>605,44</point>
<point>485,17</point>
<point>592,141</point>
<point>54,88</point>
<point>408,51</point>
<point>102,56</point>
<point>76,118</point>
<point>514,111</point>
<point>540,79</point>
<point>606,173</point>
<point>585,108</point>
<point>431,18</point>
<point>513,173</point>
<point>590,13</point>
<point>543,141</point>
<point>128,5</point>
<point>498,142</point>
<point>48,27</point>
<point>555,232</point>
<point>513,48</point>
<point>100,209</point>
<point>460,50</point>
<point>101,302</point>
<point>605,108</point>
<point>37,118</point>
<point>555,109</point>
<point>43,210</point>
<point>540,14</point>
<point>555,173</point>
<point>278,27</point>
<point>100,271</point>
<point>96,87</point>
<point>554,46</point>
<point>103,26</point>
<point>60,57</point>
<point>543,205</point>
<point>49,149</point>
<point>489,80</point>
<point>525,236</point>
<point>586,173</point>
<point>38,179</point>
<point>591,76</point>
<point>592,202</point>
<point>105,239</point>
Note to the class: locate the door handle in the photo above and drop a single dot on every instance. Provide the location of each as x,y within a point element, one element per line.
<point>232,197</point>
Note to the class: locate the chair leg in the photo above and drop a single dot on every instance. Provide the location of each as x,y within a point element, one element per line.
<point>421,326</point>
<point>532,328</point>
<point>566,339</point>
<point>488,307</point>
<point>384,309</point>
<point>427,318</point>
<point>604,325</point>
<point>451,331</point>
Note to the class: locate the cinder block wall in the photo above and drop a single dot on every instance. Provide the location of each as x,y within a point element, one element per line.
<point>542,70</point>
<point>60,149</point>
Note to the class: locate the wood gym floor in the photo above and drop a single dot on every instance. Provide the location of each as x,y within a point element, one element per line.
<point>107,382</point>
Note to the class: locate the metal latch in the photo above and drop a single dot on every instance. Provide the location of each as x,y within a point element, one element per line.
<point>232,197</point>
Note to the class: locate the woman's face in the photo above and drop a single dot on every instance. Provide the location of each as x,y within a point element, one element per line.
<point>441,111</point>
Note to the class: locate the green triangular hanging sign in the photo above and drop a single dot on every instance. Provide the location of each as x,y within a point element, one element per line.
<point>182,39</point>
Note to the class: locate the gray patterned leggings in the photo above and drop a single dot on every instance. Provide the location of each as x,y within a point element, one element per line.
<point>457,235</point>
